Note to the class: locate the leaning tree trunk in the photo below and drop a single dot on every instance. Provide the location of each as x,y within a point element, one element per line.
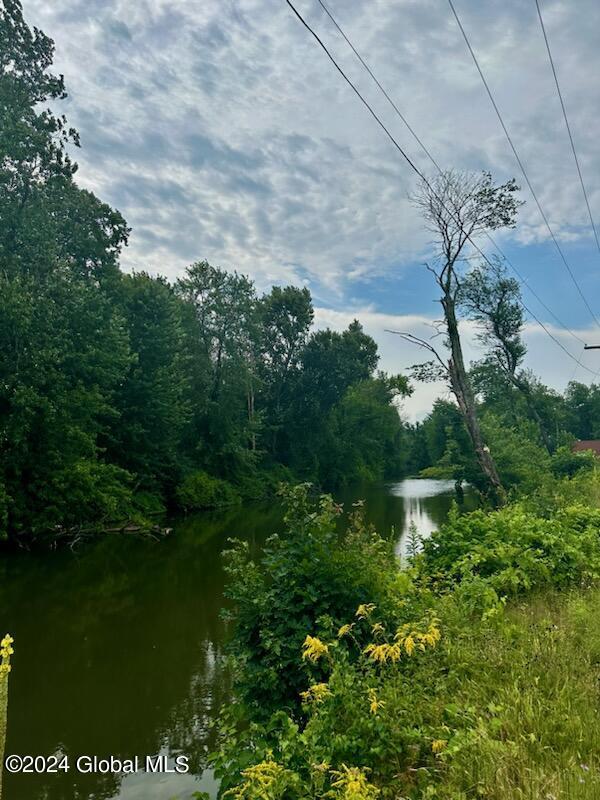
<point>466,402</point>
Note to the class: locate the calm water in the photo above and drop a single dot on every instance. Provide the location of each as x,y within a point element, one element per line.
<point>118,644</point>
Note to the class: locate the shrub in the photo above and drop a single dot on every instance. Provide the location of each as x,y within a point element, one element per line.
<point>310,578</point>
<point>520,458</point>
<point>86,494</point>
<point>148,503</point>
<point>433,686</point>
<point>514,550</point>
<point>200,491</point>
<point>566,464</point>
<point>259,483</point>
<point>363,683</point>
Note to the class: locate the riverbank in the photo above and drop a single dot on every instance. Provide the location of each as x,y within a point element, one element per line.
<point>142,640</point>
<point>473,674</point>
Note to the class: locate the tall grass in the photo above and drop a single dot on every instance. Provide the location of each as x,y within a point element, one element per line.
<point>531,685</point>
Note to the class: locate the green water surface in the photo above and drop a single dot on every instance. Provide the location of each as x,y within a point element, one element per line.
<point>118,644</point>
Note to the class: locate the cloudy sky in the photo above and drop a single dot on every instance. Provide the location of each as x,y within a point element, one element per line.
<point>221,131</point>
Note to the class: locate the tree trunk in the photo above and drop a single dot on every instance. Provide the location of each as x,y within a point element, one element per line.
<point>466,402</point>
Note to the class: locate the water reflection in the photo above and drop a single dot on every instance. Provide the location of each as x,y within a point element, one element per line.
<point>119,645</point>
<point>425,504</point>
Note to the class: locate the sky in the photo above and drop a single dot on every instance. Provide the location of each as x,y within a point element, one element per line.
<point>222,132</point>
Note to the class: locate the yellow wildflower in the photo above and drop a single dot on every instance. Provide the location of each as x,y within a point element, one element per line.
<point>409,645</point>
<point>384,652</point>
<point>374,702</point>
<point>351,784</point>
<point>6,652</point>
<point>412,639</point>
<point>377,629</point>
<point>438,745</point>
<point>365,610</point>
<point>261,780</point>
<point>313,649</point>
<point>344,630</point>
<point>316,693</point>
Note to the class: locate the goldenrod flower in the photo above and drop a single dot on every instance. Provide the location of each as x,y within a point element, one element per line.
<point>316,693</point>
<point>410,638</point>
<point>384,652</point>
<point>259,780</point>
<point>351,784</point>
<point>6,652</point>
<point>314,648</point>
<point>374,702</point>
<point>365,610</point>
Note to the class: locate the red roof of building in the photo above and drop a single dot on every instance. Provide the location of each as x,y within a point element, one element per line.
<point>587,444</point>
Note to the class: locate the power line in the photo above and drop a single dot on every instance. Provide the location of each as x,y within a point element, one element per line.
<point>387,96</point>
<point>439,169</point>
<point>414,167</point>
<point>564,111</point>
<point>521,166</point>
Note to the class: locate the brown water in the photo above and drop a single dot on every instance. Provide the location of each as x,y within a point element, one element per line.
<point>118,645</point>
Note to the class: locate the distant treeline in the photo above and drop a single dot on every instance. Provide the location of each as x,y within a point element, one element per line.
<point>120,394</point>
<point>529,435</point>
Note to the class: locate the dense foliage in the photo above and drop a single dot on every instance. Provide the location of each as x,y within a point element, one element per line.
<point>526,443</point>
<point>310,577</point>
<point>452,678</point>
<point>120,394</point>
<point>123,394</point>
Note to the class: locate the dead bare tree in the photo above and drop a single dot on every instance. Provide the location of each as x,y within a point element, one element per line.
<point>458,207</point>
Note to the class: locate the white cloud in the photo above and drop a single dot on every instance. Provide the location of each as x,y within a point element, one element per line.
<point>221,130</point>
<point>544,357</point>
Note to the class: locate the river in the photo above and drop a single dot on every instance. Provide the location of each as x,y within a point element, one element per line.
<point>118,644</point>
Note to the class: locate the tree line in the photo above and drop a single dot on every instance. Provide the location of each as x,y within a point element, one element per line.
<point>121,394</point>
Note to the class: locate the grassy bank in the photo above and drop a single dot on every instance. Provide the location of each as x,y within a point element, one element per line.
<point>473,673</point>
<point>517,703</point>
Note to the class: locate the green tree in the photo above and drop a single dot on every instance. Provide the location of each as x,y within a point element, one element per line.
<point>153,402</point>
<point>285,316</point>
<point>63,353</point>
<point>224,339</point>
<point>332,362</point>
<point>45,218</point>
<point>364,440</point>
<point>493,300</point>
<point>582,405</point>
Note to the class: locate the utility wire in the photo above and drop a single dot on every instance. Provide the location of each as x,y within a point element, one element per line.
<point>440,171</point>
<point>386,95</point>
<point>564,111</point>
<point>521,166</point>
<point>415,168</point>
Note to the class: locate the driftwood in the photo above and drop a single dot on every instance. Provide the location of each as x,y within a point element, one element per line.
<point>77,534</point>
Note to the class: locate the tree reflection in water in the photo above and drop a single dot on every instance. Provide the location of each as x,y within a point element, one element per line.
<point>121,643</point>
